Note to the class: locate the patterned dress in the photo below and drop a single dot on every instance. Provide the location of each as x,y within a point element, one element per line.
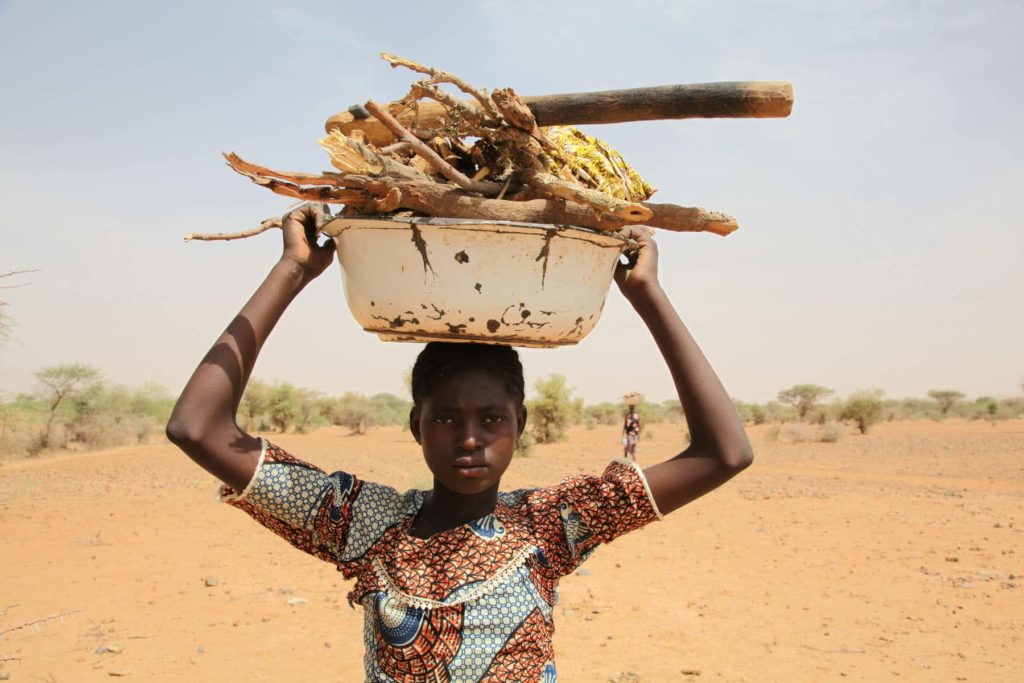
<point>471,604</point>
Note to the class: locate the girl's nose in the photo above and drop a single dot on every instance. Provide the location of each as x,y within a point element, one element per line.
<point>468,440</point>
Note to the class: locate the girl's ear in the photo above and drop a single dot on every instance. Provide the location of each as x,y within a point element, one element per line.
<point>522,421</point>
<point>414,424</point>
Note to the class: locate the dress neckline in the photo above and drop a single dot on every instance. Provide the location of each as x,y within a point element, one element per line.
<point>473,525</point>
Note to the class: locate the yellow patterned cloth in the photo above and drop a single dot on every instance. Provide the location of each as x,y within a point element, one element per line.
<point>590,162</point>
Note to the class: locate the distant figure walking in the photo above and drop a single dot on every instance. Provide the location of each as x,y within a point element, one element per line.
<point>630,429</point>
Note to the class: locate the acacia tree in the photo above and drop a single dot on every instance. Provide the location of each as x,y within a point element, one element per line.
<point>804,397</point>
<point>863,407</point>
<point>61,382</point>
<point>946,398</point>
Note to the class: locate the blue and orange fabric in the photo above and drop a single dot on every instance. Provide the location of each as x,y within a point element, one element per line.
<point>470,604</point>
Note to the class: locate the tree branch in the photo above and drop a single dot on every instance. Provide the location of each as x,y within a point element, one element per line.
<point>552,186</point>
<point>438,76</point>
<point>227,236</point>
<point>422,149</point>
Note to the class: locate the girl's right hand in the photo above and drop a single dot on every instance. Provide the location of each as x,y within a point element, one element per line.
<point>300,228</point>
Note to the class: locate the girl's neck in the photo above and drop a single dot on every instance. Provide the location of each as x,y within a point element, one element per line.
<point>444,509</point>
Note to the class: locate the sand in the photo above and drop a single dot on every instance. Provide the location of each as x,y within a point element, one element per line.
<point>898,555</point>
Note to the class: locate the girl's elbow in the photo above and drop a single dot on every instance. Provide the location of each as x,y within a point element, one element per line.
<point>183,432</point>
<point>737,457</point>
<point>180,432</point>
<point>740,459</point>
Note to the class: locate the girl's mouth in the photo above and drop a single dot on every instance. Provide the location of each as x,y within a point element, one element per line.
<point>469,467</point>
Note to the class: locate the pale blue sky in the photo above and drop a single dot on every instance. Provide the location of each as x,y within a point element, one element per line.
<point>881,241</point>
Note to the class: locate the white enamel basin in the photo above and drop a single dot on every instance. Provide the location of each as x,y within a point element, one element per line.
<point>427,279</point>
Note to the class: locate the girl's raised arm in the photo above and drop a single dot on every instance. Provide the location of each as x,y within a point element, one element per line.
<point>719,448</point>
<point>203,421</point>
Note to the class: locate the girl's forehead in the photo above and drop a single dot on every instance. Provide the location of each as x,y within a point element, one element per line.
<point>474,385</point>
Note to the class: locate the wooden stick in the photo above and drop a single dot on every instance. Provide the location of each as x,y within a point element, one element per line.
<point>552,186</point>
<point>441,200</point>
<point>245,168</point>
<point>226,236</point>
<point>37,622</point>
<point>435,199</point>
<point>741,99</point>
<point>331,195</point>
<point>432,158</point>
<point>438,76</point>
<point>463,107</point>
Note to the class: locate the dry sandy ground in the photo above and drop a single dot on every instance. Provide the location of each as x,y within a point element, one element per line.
<point>893,556</point>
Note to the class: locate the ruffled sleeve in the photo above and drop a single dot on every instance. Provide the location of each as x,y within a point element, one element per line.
<point>336,517</point>
<point>570,520</point>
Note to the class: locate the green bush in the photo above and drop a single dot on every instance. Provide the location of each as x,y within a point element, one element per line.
<point>865,408</point>
<point>606,413</point>
<point>804,397</point>
<point>524,446</point>
<point>946,399</point>
<point>75,409</point>
<point>831,432</point>
<point>553,410</point>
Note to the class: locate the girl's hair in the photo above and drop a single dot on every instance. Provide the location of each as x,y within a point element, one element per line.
<point>439,360</point>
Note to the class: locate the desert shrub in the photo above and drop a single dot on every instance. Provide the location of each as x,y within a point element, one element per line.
<point>253,410</point>
<point>864,407</point>
<point>60,384</point>
<point>349,410</point>
<point>982,408</point>
<point>589,422</point>
<point>1011,408</point>
<point>822,414</point>
<point>831,432</point>
<point>388,409</point>
<point>524,446</point>
<point>89,414</point>
<point>777,412</point>
<point>553,410</point>
<point>359,413</point>
<point>673,410</point>
<point>774,432</point>
<point>911,409</point>
<point>743,410</point>
<point>758,415</point>
<point>606,413</point>
<point>291,407</point>
<point>107,430</point>
<point>804,397</point>
<point>797,432</point>
<point>946,399</point>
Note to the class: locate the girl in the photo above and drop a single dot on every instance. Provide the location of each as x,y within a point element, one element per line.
<point>457,583</point>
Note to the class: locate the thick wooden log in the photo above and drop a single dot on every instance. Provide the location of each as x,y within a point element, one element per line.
<point>740,99</point>
<point>737,99</point>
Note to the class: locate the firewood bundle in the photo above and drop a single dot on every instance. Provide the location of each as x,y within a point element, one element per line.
<point>491,157</point>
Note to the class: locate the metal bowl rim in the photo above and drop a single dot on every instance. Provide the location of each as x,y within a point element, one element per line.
<point>465,222</point>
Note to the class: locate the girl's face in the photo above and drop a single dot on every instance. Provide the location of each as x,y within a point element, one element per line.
<point>468,427</point>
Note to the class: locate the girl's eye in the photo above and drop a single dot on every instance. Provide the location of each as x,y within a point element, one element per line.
<point>493,419</point>
<point>442,420</point>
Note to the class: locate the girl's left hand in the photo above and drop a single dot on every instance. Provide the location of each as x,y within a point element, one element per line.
<point>644,274</point>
